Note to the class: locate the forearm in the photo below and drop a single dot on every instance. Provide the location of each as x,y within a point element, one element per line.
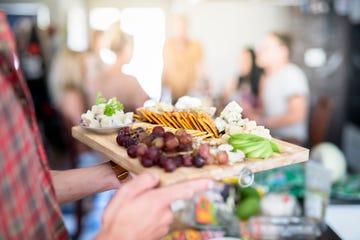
<point>288,118</point>
<point>71,185</point>
<point>297,112</point>
<point>279,121</point>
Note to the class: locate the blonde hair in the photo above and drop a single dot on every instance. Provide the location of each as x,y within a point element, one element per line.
<point>115,39</point>
<point>66,73</point>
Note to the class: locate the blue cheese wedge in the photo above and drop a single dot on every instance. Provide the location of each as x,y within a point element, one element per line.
<point>231,122</point>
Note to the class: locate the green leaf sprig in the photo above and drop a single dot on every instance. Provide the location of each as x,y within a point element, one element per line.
<point>99,99</point>
<point>111,106</point>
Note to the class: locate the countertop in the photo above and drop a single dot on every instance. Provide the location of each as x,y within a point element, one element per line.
<point>344,219</point>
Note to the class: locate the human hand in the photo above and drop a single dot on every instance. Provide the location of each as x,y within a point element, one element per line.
<point>139,210</point>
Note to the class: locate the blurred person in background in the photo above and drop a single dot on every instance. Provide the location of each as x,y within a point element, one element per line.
<point>284,91</point>
<point>92,60</point>
<point>246,86</point>
<point>182,72</point>
<point>111,81</point>
<point>66,84</point>
<point>30,193</point>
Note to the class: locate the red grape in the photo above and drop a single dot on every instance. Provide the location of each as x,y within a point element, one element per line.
<point>185,148</point>
<point>162,159</point>
<point>187,160</point>
<point>125,141</point>
<point>131,151</point>
<point>185,139</point>
<point>153,153</point>
<point>198,161</point>
<point>141,149</point>
<point>130,141</point>
<point>146,161</point>
<point>158,142</point>
<point>171,142</point>
<point>158,131</point>
<point>142,136</point>
<point>222,157</point>
<point>168,134</point>
<point>125,131</point>
<point>169,165</point>
<point>165,149</point>
<point>179,132</point>
<point>204,150</point>
<point>147,140</point>
<point>210,159</point>
<point>178,160</point>
<point>120,139</point>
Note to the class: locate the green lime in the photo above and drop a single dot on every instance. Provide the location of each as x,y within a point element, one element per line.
<point>249,192</point>
<point>248,208</point>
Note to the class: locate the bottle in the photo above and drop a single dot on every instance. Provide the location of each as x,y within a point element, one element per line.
<point>265,227</point>
<point>317,191</point>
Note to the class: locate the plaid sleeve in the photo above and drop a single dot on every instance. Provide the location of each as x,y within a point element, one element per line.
<point>28,207</point>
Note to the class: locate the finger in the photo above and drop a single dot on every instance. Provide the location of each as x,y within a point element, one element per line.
<point>184,190</point>
<point>167,217</point>
<point>161,232</point>
<point>134,187</point>
<point>140,184</point>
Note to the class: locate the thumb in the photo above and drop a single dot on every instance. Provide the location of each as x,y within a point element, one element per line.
<point>140,184</point>
<point>131,189</point>
<point>135,186</point>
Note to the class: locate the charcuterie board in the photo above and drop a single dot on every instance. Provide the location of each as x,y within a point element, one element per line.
<point>106,145</point>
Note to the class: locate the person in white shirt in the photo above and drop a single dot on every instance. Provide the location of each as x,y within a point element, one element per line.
<point>284,92</point>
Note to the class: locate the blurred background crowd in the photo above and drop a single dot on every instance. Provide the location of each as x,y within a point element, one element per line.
<point>293,65</point>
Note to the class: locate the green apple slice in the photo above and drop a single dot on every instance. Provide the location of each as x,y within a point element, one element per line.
<point>252,148</point>
<point>268,152</point>
<point>263,151</point>
<point>239,141</point>
<point>275,147</point>
<point>246,145</point>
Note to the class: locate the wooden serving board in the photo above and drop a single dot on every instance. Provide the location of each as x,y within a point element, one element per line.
<point>106,144</point>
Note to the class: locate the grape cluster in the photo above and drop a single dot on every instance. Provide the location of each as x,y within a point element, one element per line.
<point>166,149</point>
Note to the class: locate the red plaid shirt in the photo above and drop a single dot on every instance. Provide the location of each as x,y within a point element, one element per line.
<point>28,206</point>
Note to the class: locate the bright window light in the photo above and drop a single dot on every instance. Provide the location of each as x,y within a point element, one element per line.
<point>77,37</point>
<point>147,26</point>
<point>102,18</point>
<point>43,17</point>
<point>107,56</point>
<point>315,57</point>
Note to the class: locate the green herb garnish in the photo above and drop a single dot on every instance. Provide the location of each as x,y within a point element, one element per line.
<point>99,99</point>
<point>111,106</point>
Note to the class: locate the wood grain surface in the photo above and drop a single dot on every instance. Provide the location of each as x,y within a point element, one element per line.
<point>106,144</point>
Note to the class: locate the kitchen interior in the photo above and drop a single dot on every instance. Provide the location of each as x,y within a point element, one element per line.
<point>326,46</point>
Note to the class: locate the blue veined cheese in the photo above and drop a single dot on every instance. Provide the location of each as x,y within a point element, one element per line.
<point>94,123</point>
<point>118,118</point>
<point>157,107</point>
<point>128,117</point>
<point>220,124</point>
<point>187,102</point>
<point>106,121</point>
<point>96,118</point>
<point>121,118</point>
<point>98,109</point>
<point>87,117</point>
<point>231,122</point>
<point>232,112</point>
